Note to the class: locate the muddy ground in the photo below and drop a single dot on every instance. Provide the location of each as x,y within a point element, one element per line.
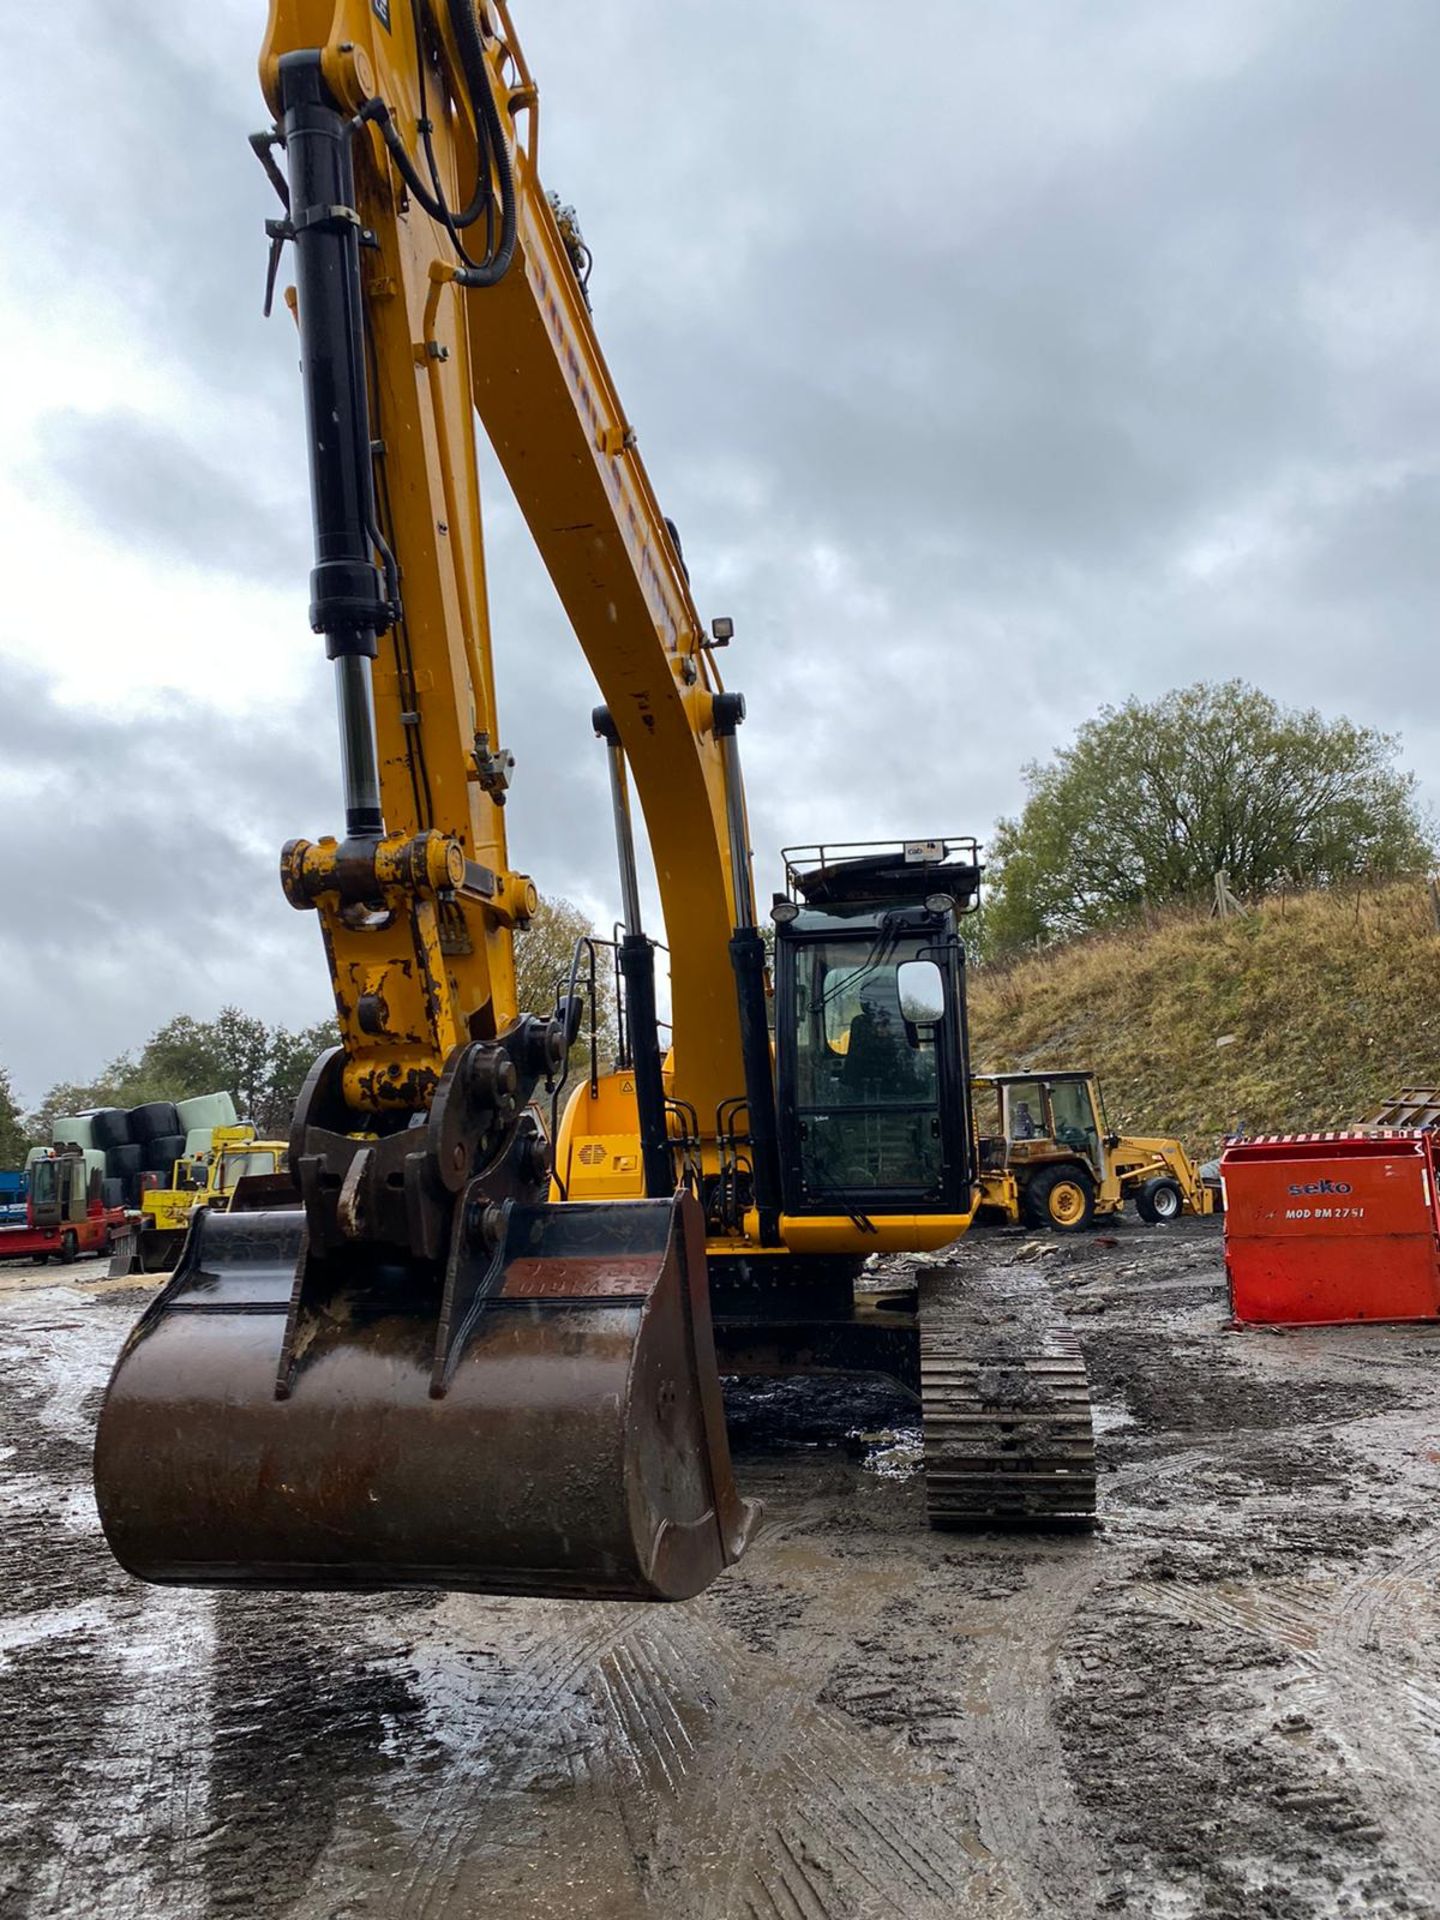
<point>1224,1703</point>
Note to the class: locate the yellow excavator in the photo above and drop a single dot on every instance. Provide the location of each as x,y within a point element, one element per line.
<point>477,1350</point>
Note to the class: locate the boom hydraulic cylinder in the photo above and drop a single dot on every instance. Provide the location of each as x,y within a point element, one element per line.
<point>637,970</point>
<point>747,959</point>
<point>348,598</point>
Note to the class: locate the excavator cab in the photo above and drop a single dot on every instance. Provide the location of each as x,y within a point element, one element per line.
<point>872,1092</point>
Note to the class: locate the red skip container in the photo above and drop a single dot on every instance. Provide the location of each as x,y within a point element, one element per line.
<point>1329,1227</point>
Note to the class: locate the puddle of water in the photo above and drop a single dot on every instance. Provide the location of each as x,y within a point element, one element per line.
<point>894,1453</point>
<point>1111,1415</point>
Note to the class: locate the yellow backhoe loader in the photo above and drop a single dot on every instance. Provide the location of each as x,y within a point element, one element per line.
<point>152,1243</point>
<point>1047,1156</point>
<point>461,1358</point>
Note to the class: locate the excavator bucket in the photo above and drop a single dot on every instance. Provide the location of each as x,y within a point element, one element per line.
<point>554,1428</point>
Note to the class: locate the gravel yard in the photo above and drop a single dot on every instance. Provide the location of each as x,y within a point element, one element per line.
<point>1225,1702</point>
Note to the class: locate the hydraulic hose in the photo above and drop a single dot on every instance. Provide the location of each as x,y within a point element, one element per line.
<point>493,163</point>
<point>465,26</point>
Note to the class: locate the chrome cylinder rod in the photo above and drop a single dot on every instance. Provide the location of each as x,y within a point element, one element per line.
<point>359,757</point>
<point>624,822</point>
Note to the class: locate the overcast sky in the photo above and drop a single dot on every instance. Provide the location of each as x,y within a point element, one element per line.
<point>997,358</point>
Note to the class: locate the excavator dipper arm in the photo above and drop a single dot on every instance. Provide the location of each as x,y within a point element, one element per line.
<point>424,1373</point>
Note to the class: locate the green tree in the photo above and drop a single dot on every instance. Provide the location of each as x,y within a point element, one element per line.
<point>1151,800</point>
<point>292,1053</point>
<point>185,1058</point>
<point>260,1066</point>
<point>543,956</point>
<point>14,1139</point>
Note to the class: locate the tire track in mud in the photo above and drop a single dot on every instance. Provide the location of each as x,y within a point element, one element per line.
<point>105,1681</point>
<point>653,1761</point>
<point>1378,1662</point>
<point>1225,1705</point>
<point>532,1732</point>
<point>685,1759</point>
<point>302,1721</point>
<point>1206,1674</point>
<point>501,1732</point>
<point>1202,1798</point>
<point>1029,1817</point>
<point>760,1794</point>
<point>136,1840</point>
<point>1333,1751</point>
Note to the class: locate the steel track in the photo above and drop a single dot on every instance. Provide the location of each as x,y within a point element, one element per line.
<point>1008,1434</point>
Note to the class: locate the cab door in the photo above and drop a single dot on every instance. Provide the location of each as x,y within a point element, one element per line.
<point>872,1077</point>
<point>1076,1123</point>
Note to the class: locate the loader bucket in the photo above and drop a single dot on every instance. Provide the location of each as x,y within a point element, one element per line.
<point>146,1250</point>
<point>553,1428</point>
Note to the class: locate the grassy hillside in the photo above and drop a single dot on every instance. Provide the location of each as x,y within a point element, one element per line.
<point>1304,1014</point>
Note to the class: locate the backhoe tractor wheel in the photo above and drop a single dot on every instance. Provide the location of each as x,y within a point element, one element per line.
<point>1160,1201</point>
<point>1062,1198</point>
<point>69,1247</point>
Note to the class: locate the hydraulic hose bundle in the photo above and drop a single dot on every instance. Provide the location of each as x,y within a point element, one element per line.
<point>493,168</point>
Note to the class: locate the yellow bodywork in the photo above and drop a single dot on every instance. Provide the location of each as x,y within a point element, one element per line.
<point>1118,1165</point>
<point>234,1152</point>
<point>597,1157</point>
<point>1135,1158</point>
<point>523,354</point>
<point>432,966</point>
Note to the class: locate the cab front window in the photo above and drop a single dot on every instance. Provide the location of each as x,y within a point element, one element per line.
<point>1025,1110</point>
<point>867,1071</point>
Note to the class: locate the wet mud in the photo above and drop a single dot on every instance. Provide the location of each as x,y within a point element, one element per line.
<point>1224,1702</point>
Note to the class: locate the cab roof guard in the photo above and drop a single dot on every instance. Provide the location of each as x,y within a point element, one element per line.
<point>853,870</point>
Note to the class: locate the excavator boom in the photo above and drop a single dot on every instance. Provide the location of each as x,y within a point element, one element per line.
<point>464,1355</point>
<point>424,1373</point>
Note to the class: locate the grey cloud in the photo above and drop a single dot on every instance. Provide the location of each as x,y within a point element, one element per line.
<point>1387,537</point>
<point>143,198</point>
<point>145,484</point>
<point>141,875</point>
<point>1124,341</point>
<point>992,371</point>
<point>142,864</point>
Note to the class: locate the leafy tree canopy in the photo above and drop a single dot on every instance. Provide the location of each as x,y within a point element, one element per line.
<point>13,1138</point>
<point>1152,799</point>
<point>261,1067</point>
<point>543,955</point>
